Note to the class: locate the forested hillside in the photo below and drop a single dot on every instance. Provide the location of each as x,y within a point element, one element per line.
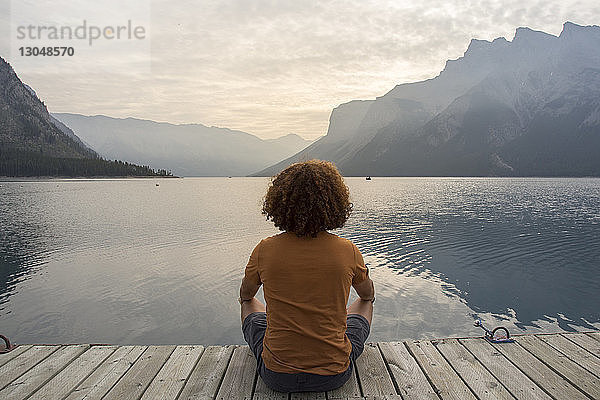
<point>31,144</point>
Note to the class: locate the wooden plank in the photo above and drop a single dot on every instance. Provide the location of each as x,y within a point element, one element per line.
<point>108,373</point>
<point>67,379</point>
<point>308,396</point>
<point>349,390</point>
<point>24,362</point>
<point>239,378</point>
<point>506,372</point>
<point>37,376</point>
<point>6,357</point>
<point>206,377</point>
<point>594,335</point>
<point>479,379</point>
<point>536,367</point>
<point>171,378</point>
<point>135,381</point>
<point>552,383</point>
<point>263,392</point>
<point>447,383</point>
<point>577,375</point>
<point>583,340</point>
<point>410,380</point>
<point>372,373</point>
<point>575,353</point>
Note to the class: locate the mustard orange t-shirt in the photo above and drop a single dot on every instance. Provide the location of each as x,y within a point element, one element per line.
<point>306,283</point>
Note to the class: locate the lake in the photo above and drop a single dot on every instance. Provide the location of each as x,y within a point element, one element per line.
<point>129,262</point>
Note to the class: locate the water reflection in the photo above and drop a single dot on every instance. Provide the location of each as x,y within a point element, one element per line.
<point>521,250</point>
<point>18,260</point>
<point>23,249</point>
<point>125,261</point>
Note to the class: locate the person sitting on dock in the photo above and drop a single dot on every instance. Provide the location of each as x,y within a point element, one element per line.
<point>306,339</point>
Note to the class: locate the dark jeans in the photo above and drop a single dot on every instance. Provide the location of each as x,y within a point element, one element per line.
<point>254,328</point>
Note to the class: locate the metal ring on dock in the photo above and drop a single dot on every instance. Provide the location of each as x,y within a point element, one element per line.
<point>8,346</point>
<point>501,328</point>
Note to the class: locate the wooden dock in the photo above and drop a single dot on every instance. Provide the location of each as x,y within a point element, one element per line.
<point>553,366</point>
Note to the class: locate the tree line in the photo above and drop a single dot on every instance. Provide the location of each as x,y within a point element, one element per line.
<point>14,162</point>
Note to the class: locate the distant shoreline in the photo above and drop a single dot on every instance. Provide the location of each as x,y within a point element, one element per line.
<point>52,178</point>
<point>85,178</point>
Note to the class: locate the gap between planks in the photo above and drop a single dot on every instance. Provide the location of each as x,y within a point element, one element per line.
<point>565,365</point>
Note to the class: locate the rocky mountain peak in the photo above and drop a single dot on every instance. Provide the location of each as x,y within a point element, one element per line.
<point>528,106</point>
<point>530,36</point>
<point>579,46</point>
<point>570,29</point>
<point>477,45</point>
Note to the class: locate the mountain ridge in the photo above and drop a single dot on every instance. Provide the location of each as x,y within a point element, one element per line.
<point>463,121</point>
<point>32,143</point>
<point>189,149</point>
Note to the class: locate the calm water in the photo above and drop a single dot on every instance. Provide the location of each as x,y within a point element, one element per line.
<point>125,261</point>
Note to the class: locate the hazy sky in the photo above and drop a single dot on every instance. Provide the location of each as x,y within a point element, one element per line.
<point>264,67</point>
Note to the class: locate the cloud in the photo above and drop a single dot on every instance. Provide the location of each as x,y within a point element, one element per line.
<point>273,67</point>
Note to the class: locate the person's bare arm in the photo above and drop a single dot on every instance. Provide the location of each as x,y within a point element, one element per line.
<point>365,290</point>
<point>248,290</point>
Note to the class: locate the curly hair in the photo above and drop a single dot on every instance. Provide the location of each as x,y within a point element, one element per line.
<point>308,197</point>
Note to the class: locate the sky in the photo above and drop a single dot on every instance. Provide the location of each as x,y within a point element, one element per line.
<point>265,67</point>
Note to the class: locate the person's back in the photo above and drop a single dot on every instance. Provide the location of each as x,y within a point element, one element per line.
<point>306,285</point>
<point>305,338</point>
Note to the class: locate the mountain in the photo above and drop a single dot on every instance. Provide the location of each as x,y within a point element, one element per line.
<point>526,107</point>
<point>188,149</point>
<point>25,123</point>
<point>31,143</point>
<point>62,127</point>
